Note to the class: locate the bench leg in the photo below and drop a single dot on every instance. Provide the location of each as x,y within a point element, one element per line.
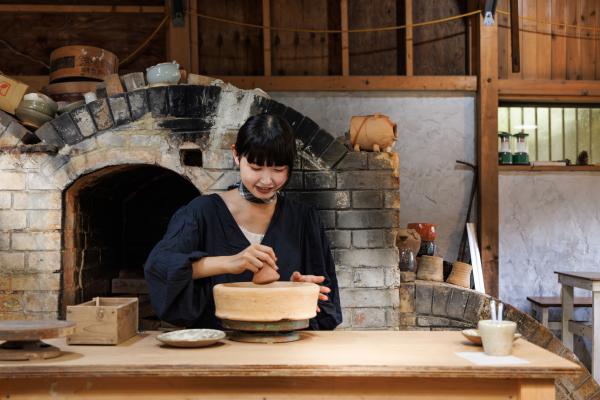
<point>596,335</point>
<point>566,295</point>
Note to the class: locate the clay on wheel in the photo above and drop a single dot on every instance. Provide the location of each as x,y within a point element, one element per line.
<point>247,301</point>
<point>265,275</point>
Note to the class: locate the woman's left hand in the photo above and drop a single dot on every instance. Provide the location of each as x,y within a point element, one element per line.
<point>318,279</point>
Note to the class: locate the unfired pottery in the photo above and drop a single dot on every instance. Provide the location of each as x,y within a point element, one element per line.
<point>247,301</point>
<point>191,337</point>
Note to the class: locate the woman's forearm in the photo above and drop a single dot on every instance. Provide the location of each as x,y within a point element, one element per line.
<point>210,266</point>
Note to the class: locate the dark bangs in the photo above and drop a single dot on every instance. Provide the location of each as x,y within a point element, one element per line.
<point>267,140</point>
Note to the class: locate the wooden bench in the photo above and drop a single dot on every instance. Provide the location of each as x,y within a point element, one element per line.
<point>540,305</point>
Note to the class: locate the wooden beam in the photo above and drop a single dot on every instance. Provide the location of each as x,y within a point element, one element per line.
<point>333,83</point>
<point>178,42</point>
<point>327,83</point>
<point>195,53</point>
<point>266,12</point>
<point>345,38</point>
<point>549,168</point>
<point>487,151</point>
<point>548,87</point>
<point>61,9</point>
<point>515,55</point>
<point>408,15</point>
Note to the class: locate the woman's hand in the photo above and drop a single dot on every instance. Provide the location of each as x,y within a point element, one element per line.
<point>318,279</point>
<point>252,258</point>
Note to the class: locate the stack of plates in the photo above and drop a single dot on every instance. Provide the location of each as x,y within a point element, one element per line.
<point>35,110</point>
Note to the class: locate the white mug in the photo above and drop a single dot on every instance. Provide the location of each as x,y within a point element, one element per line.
<point>497,336</point>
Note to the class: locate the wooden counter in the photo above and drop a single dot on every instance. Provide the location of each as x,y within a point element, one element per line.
<point>347,364</point>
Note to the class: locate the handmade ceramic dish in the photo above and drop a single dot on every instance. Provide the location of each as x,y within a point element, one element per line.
<point>473,335</point>
<point>191,337</point>
<point>31,118</point>
<point>163,73</point>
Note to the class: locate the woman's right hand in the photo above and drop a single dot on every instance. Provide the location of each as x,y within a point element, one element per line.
<point>253,258</point>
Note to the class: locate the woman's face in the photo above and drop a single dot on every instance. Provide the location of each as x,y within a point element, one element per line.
<point>262,181</point>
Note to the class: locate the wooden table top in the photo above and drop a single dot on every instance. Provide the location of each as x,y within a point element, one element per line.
<point>589,275</point>
<point>332,353</point>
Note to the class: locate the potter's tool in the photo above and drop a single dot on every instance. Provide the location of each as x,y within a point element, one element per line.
<point>265,332</point>
<point>493,309</point>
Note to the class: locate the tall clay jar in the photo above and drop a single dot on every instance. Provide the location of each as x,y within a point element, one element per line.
<point>431,268</point>
<point>461,274</point>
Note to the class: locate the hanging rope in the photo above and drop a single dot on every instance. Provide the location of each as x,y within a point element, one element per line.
<point>145,42</point>
<point>361,30</point>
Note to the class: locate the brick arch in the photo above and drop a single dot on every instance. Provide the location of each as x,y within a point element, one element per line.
<point>433,305</point>
<point>200,108</point>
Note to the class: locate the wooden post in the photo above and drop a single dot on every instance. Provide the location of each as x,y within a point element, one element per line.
<point>266,12</point>
<point>195,53</point>
<point>178,41</point>
<point>345,40</point>
<point>408,18</point>
<point>487,150</point>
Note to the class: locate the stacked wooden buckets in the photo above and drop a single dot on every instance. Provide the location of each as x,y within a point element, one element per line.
<point>75,70</point>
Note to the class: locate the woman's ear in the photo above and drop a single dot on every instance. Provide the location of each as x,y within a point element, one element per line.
<point>236,158</point>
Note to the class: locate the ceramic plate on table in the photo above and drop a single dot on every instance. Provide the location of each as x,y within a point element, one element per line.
<point>191,337</point>
<point>473,335</point>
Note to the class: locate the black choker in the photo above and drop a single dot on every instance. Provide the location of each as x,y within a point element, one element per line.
<point>246,194</point>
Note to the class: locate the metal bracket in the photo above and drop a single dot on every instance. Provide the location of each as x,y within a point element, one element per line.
<point>489,12</point>
<point>178,8</point>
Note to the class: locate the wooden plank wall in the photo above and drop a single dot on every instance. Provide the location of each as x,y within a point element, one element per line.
<point>373,53</point>
<point>556,42</point>
<point>226,49</point>
<point>305,53</point>
<point>37,34</point>
<point>439,49</point>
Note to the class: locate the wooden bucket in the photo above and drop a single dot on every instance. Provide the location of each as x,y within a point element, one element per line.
<point>87,62</point>
<point>431,268</point>
<point>372,132</point>
<point>461,274</point>
<point>69,91</point>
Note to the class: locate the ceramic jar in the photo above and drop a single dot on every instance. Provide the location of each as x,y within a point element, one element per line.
<point>163,73</point>
<point>461,274</point>
<point>428,235</point>
<point>431,269</point>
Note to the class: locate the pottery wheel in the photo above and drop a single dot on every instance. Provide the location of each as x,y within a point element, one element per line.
<point>23,339</point>
<point>264,332</point>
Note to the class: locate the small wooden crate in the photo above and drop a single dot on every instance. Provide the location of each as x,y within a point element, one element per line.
<point>104,320</point>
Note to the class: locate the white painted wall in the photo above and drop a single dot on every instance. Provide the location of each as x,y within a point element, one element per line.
<point>548,221</point>
<point>434,131</point>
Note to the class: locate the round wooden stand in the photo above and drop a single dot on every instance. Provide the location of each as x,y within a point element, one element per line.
<point>264,332</point>
<point>22,339</point>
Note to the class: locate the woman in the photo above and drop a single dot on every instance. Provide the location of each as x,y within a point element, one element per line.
<point>227,237</point>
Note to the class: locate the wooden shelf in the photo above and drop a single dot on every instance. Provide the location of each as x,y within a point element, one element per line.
<point>551,91</point>
<point>530,168</point>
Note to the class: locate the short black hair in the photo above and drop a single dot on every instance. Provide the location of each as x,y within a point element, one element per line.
<point>267,139</point>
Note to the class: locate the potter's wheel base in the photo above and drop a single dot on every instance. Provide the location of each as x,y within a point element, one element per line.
<point>264,337</point>
<point>17,350</point>
<point>264,332</point>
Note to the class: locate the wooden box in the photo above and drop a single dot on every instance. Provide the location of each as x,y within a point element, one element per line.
<point>104,320</point>
<point>11,93</point>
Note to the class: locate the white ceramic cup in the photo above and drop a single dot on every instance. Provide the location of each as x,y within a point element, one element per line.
<point>497,336</point>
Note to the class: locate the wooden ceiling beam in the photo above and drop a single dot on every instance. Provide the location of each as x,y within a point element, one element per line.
<point>60,9</point>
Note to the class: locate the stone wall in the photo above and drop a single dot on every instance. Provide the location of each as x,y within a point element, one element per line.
<point>356,193</point>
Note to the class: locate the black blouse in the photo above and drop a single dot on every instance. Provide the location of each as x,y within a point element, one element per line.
<point>205,227</point>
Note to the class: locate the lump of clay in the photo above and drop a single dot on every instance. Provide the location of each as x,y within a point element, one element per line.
<point>265,275</point>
